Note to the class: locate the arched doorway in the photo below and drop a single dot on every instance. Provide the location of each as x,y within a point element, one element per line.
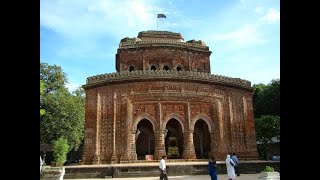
<point>174,139</point>
<point>201,139</point>
<point>144,139</point>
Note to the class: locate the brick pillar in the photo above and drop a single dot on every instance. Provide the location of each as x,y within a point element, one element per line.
<point>127,130</point>
<point>114,153</point>
<point>188,150</point>
<point>96,156</point>
<point>159,145</point>
<point>214,144</point>
<point>219,133</point>
<point>90,127</point>
<point>159,150</point>
<point>252,152</point>
<point>133,152</point>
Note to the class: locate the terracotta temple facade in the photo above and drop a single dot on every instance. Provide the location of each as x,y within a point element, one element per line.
<point>163,100</point>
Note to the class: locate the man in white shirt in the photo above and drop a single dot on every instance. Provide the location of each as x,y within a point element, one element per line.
<point>163,168</point>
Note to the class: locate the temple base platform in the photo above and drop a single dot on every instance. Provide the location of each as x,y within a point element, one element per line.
<point>151,168</point>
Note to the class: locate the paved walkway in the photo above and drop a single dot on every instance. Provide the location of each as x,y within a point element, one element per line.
<point>196,177</point>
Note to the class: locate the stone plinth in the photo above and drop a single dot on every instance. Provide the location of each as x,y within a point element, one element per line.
<point>52,173</point>
<point>269,175</point>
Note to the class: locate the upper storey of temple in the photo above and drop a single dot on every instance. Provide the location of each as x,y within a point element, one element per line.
<point>160,35</point>
<point>162,50</point>
<point>163,55</point>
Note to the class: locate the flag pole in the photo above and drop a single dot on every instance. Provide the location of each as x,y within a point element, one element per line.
<point>160,16</point>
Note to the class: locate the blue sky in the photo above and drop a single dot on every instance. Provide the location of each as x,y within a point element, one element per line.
<point>82,36</point>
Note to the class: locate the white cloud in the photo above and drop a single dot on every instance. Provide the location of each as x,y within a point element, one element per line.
<point>246,35</point>
<point>271,16</point>
<point>89,19</point>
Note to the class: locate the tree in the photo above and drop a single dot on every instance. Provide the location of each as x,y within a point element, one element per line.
<point>64,115</point>
<point>272,93</point>
<point>53,77</point>
<point>267,127</point>
<point>266,99</point>
<point>258,103</point>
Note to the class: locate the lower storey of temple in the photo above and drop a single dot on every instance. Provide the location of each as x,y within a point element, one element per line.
<point>174,142</point>
<point>146,120</point>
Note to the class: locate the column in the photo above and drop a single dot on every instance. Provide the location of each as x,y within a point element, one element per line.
<point>96,156</point>
<point>126,150</point>
<point>252,152</point>
<point>219,134</point>
<point>133,152</point>
<point>159,145</point>
<point>214,144</point>
<point>188,150</point>
<point>114,154</point>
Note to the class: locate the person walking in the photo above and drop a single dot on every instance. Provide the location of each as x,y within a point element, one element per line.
<point>236,164</point>
<point>230,168</point>
<point>163,169</point>
<point>212,165</point>
<point>41,163</point>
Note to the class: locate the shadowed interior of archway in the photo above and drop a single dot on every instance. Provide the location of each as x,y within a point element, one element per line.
<point>201,139</point>
<point>174,139</point>
<point>144,139</point>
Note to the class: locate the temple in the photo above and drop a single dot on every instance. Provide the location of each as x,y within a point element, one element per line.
<point>163,100</point>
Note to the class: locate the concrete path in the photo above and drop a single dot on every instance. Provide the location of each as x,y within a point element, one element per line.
<point>197,177</point>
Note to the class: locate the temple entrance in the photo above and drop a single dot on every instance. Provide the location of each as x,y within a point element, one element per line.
<point>174,139</point>
<point>201,139</point>
<point>144,139</point>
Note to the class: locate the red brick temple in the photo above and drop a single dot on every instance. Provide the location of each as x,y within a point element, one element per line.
<point>163,100</point>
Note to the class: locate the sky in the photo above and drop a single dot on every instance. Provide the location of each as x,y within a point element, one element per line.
<point>82,36</point>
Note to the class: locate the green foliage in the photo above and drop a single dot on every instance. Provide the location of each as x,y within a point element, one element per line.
<point>60,150</point>
<point>64,115</point>
<point>42,111</point>
<point>266,107</point>
<point>266,99</point>
<point>267,127</point>
<point>53,77</point>
<point>268,169</point>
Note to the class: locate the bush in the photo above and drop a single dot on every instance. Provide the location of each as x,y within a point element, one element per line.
<point>60,150</point>
<point>268,169</point>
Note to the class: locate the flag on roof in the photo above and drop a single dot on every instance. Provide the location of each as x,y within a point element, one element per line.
<point>161,16</point>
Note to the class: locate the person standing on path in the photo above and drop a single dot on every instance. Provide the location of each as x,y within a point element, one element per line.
<point>212,166</point>
<point>230,168</point>
<point>236,164</point>
<point>163,169</point>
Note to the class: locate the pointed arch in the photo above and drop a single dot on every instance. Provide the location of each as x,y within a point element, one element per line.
<point>176,116</point>
<point>205,118</point>
<point>141,117</point>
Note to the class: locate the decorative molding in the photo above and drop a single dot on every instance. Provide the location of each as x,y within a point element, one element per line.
<point>163,74</point>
